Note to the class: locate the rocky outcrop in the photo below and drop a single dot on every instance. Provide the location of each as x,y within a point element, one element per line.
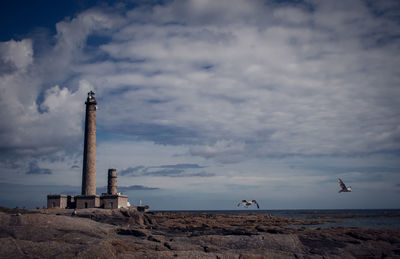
<point>125,233</point>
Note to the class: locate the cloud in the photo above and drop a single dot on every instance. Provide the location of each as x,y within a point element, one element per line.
<point>344,168</point>
<point>132,170</point>
<point>177,170</point>
<point>35,169</point>
<point>39,90</point>
<point>223,151</point>
<point>308,78</point>
<point>178,173</point>
<point>287,87</point>
<point>18,54</point>
<point>182,166</point>
<point>60,110</point>
<point>136,188</point>
<point>122,189</point>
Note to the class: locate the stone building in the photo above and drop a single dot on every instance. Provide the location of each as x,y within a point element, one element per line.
<point>87,201</point>
<point>88,197</point>
<point>60,201</point>
<point>57,201</point>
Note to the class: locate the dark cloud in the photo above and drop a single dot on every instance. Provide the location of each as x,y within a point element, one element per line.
<point>349,169</point>
<point>182,166</point>
<point>75,167</point>
<point>171,172</point>
<point>132,171</point>
<point>136,188</point>
<point>122,189</point>
<point>35,169</point>
<point>177,170</point>
<point>178,173</point>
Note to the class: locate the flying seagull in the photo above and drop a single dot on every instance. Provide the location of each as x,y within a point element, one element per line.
<point>247,203</point>
<point>343,186</point>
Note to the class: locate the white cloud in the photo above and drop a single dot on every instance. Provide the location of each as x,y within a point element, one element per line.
<point>42,97</point>
<point>285,87</point>
<point>18,53</point>
<point>54,127</point>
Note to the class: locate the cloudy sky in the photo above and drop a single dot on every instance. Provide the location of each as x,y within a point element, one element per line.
<point>203,103</point>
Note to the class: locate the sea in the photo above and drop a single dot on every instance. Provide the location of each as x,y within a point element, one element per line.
<point>361,218</point>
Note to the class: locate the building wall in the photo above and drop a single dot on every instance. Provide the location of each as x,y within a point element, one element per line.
<point>83,202</point>
<point>122,201</point>
<point>110,202</point>
<point>57,201</point>
<point>113,201</point>
<point>71,204</point>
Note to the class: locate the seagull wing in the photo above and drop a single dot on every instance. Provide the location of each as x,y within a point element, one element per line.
<point>258,206</point>
<point>242,202</point>
<point>341,183</point>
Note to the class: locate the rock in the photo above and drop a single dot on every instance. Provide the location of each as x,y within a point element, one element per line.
<point>132,232</point>
<point>124,233</point>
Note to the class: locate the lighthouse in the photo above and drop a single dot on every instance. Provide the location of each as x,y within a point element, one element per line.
<point>89,148</point>
<point>88,198</point>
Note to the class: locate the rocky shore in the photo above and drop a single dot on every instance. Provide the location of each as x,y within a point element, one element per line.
<point>126,233</point>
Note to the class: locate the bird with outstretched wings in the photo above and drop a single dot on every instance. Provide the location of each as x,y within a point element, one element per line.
<point>247,203</point>
<point>343,187</point>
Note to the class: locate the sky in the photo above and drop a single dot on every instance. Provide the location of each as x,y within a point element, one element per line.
<point>203,103</point>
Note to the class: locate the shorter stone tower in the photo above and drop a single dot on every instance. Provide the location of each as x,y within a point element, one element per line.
<point>112,199</point>
<point>112,182</point>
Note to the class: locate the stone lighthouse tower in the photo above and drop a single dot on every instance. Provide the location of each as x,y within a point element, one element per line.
<point>89,150</point>
<point>88,197</point>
